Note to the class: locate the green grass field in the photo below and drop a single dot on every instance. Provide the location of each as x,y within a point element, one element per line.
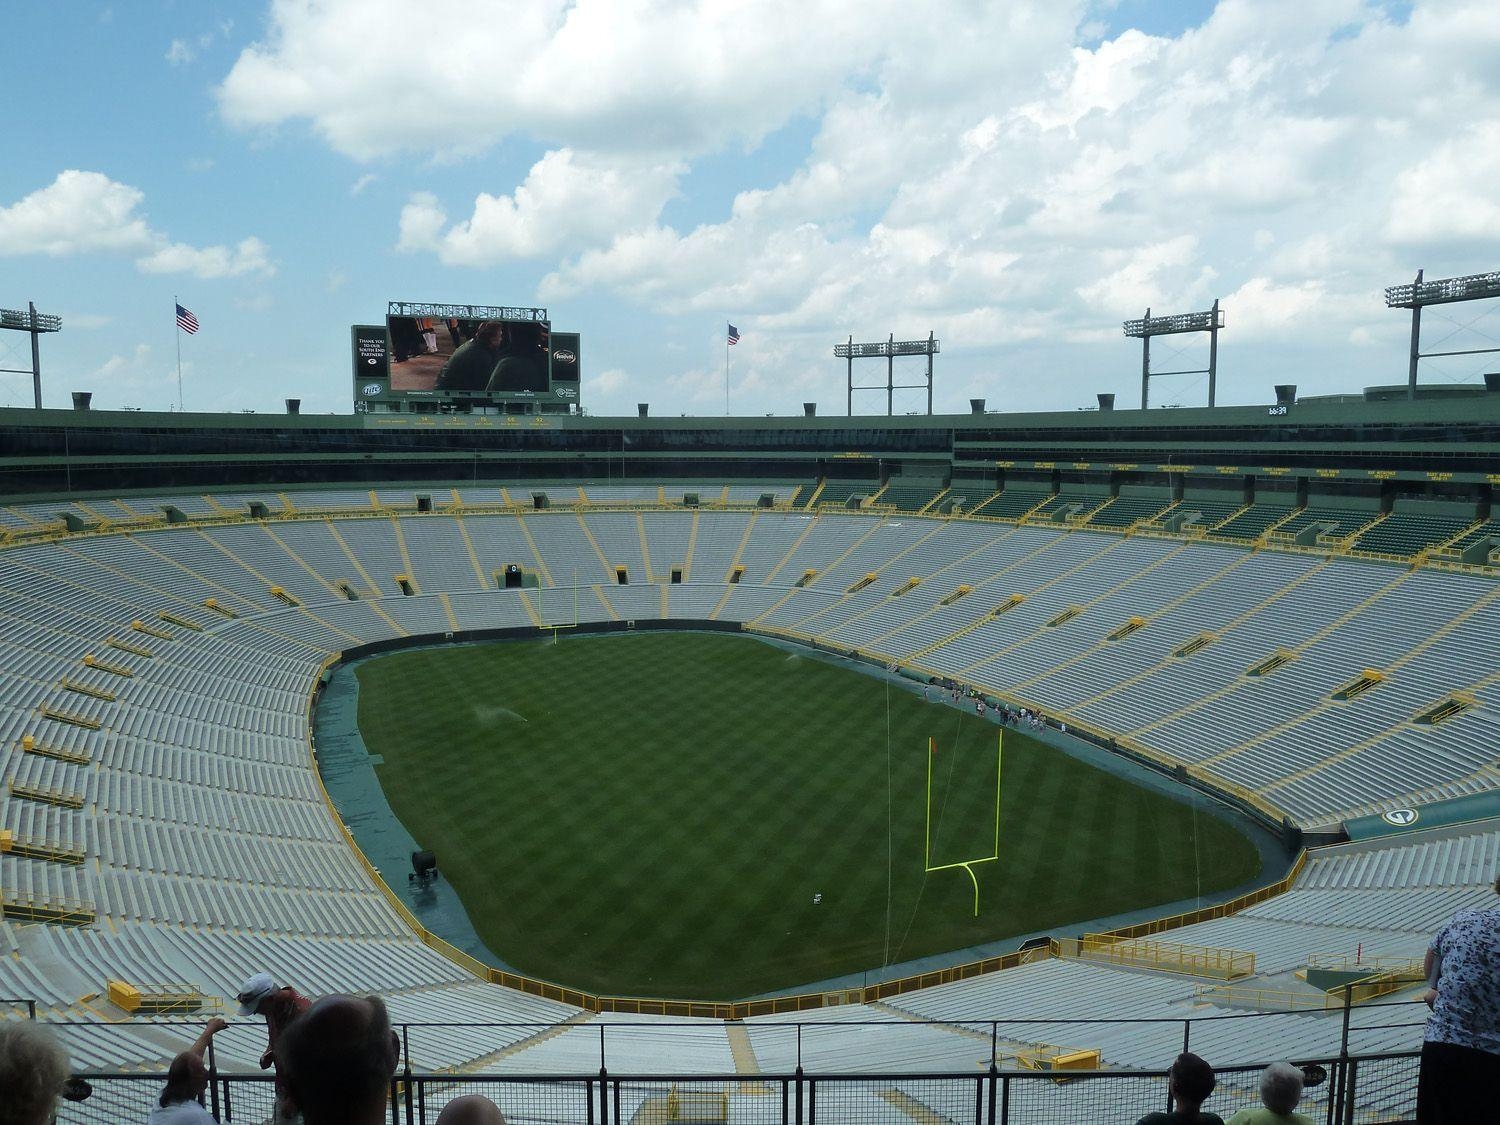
<point>652,814</point>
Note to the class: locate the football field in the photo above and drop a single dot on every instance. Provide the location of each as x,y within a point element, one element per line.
<point>712,816</point>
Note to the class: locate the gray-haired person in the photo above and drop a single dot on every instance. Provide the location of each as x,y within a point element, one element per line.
<point>1280,1091</point>
<point>33,1068</point>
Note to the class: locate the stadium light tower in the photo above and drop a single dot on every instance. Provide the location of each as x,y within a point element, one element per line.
<point>1474,287</point>
<point>35,323</point>
<point>1148,326</point>
<point>888,349</point>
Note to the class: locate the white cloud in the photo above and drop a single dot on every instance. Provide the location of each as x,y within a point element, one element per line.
<point>363,182</point>
<point>115,365</point>
<point>1262,307</point>
<point>1158,268</point>
<point>1102,80</point>
<point>1113,178</point>
<point>183,51</point>
<point>698,385</point>
<point>567,199</point>
<point>1269,169</point>
<point>87,321</point>
<point>608,75</point>
<point>1000,174</point>
<point>250,256</point>
<point>1452,194</point>
<point>87,212</point>
<point>134,378</point>
<point>422,222</point>
<point>78,212</point>
<point>607,382</point>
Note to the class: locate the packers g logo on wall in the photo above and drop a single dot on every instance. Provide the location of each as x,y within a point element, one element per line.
<point>1401,818</point>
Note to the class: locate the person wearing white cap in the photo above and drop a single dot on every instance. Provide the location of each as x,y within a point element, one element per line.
<point>260,996</point>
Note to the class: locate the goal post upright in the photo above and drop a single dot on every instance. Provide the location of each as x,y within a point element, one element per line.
<point>999,750</point>
<point>927,839</point>
<point>542,609</point>
<point>966,864</point>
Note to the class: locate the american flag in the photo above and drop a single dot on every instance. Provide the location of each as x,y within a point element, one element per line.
<point>734,334</point>
<point>186,320</point>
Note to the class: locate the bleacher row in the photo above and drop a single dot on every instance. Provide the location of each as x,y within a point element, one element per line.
<point>1409,529</point>
<point>179,754</point>
<point>1063,597</point>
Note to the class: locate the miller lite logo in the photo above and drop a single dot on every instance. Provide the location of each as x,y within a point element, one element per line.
<point>564,355</point>
<point>370,389</point>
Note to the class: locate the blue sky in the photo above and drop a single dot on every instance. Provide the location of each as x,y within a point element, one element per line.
<point>1016,177</point>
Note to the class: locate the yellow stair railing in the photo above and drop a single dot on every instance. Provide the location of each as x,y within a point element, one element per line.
<point>20,906</point>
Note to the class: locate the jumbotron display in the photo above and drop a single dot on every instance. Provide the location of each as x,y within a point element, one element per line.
<point>432,358</point>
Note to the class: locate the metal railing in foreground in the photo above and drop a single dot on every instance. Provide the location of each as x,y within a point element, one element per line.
<point>1358,1090</point>
<point>989,1070</point>
<point>878,1041</point>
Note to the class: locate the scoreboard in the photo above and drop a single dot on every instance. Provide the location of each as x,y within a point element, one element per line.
<point>444,358</point>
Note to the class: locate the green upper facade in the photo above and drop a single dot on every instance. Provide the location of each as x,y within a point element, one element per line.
<point>1447,436</point>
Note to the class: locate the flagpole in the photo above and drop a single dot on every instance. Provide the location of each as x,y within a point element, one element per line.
<point>726,374</point>
<point>176,304</point>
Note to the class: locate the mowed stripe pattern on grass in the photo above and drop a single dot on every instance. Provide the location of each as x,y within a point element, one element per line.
<point>652,814</point>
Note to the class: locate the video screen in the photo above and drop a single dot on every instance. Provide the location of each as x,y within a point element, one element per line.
<point>565,367</point>
<point>480,357</point>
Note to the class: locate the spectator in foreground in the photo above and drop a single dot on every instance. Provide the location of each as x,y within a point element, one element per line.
<point>1191,1080</point>
<point>187,1079</point>
<point>1280,1091</point>
<point>471,1109</point>
<point>336,1061</point>
<point>33,1067</point>
<point>1460,1075</point>
<point>260,996</point>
